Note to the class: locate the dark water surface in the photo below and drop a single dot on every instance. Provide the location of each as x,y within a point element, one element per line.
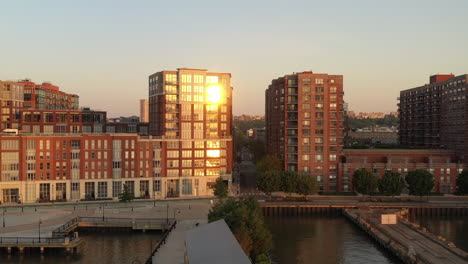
<point>323,240</point>
<point>102,248</point>
<point>454,229</point>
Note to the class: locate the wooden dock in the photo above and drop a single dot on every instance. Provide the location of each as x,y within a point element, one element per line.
<point>410,243</point>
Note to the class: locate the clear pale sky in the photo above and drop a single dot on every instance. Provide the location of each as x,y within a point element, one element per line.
<point>105,50</point>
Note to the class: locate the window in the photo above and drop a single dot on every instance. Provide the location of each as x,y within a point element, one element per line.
<point>187,186</point>
<point>318,81</point>
<point>144,188</point>
<point>157,185</point>
<point>318,158</point>
<point>332,157</point>
<point>102,189</point>
<point>116,188</point>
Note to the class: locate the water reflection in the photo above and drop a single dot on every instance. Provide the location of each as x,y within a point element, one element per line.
<point>321,239</point>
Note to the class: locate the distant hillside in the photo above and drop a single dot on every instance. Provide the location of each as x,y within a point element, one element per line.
<point>367,122</point>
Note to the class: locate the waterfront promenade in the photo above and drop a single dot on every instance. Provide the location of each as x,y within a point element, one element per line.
<point>41,221</point>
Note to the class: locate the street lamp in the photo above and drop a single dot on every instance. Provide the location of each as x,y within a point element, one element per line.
<point>40,222</point>
<point>103,212</point>
<point>4,217</point>
<point>167,213</point>
<point>178,211</point>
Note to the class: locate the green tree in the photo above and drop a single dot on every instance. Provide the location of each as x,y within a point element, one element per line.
<point>245,219</point>
<point>269,163</point>
<point>462,183</point>
<point>220,188</point>
<point>306,185</point>
<point>257,148</point>
<point>126,195</point>
<point>269,181</point>
<point>365,182</point>
<point>391,183</point>
<point>289,180</point>
<point>420,182</point>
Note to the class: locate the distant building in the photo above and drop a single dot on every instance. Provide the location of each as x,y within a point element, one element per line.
<point>213,243</point>
<point>248,117</point>
<point>144,110</point>
<point>304,124</point>
<point>434,115</point>
<point>441,163</point>
<point>372,137</point>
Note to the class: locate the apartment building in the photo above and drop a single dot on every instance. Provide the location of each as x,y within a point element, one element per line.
<point>191,109</point>
<point>11,103</point>
<point>144,110</point>
<point>441,163</point>
<point>47,96</point>
<point>72,167</point>
<point>304,124</point>
<point>433,115</point>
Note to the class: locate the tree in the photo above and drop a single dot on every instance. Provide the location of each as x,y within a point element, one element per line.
<point>289,180</point>
<point>420,182</point>
<point>220,188</point>
<point>245,219</point>
<point>257,148</point>
<point>269,181</point>
<point>364,182</point>
<point>462,183</point>
<point>306,185</point>
<point>269,163</point>
<point>126,195</point>
<point>391,183</point>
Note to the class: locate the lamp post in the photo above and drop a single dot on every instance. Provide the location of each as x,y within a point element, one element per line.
<point>103,212</point>
<point>167,213</point>
<point>40,222</point>
<point>178,211</point>
<point>154,192</point>
<point>4,217</point>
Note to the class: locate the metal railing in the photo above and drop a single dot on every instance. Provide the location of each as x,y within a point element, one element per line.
<point>162,242</point>
<point>34,240</point>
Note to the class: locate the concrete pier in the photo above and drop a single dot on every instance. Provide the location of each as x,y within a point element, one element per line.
<point>406,240</point>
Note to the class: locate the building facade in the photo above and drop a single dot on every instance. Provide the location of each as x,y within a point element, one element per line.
<point>443,164</point>
<point>73,167</point>
<point>433,115</point>
<point>144,110</point>
<point>192,109</point>
<point>304,124</point>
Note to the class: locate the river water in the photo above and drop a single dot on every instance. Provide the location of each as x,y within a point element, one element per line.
<point>323,240</point>
<point>298,240</point>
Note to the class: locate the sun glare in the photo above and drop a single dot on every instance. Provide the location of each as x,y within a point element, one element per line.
<point>213,94</point>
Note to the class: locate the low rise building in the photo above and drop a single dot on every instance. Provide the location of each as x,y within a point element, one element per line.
<point>442,164</point>
<point>71,167</point>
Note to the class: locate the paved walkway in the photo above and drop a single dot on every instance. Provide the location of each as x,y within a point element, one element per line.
<point>26,224</point>
<point>173,251</point>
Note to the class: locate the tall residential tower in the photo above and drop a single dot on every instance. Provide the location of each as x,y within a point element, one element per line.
<point>191,109</point>
<point>304,124</point>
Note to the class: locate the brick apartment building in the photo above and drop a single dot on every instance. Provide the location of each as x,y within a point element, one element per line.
<point>193,109</point>
<point>304,124</point>
<point>63,154</point>
<point>81,166</point>
<point>434,115</point>
<point>441,163</point>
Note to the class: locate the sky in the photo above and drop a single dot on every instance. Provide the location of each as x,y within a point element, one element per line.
<point>104,50</point>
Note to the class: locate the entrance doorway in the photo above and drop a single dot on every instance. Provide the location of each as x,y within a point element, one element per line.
<point>10,195</point>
